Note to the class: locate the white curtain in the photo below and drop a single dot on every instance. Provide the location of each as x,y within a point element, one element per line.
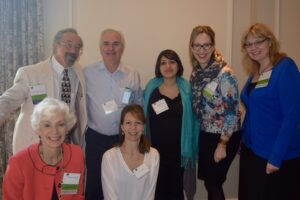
<point>21,43</point>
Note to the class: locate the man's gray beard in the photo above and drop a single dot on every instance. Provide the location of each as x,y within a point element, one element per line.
<point>70,59</point>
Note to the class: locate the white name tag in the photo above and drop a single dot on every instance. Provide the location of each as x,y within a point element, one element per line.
<point>38,93</point>
<point>160,106</point>
<point>70,183</point>
<point>141,171</point>
<point>110,107</point>
<point>210,89</point>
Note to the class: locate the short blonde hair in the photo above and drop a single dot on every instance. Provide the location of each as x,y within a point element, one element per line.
<point>48,107</point>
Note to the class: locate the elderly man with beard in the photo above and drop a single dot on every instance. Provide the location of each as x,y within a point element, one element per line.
<point>35,82</point>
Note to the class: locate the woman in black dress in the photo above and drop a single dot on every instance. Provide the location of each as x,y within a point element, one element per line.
<point>172,128</point>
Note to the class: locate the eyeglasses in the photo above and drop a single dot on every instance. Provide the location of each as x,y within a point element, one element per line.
<point>205,46</point>
<point>70,46</point>
<point>255,44</point>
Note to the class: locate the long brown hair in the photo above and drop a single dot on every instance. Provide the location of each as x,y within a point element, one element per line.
<point>138,112</point>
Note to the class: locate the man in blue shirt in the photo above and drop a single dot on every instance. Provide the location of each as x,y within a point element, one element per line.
<point>110,87</point>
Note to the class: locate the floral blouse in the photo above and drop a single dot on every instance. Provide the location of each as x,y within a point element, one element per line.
<point>216,98</point>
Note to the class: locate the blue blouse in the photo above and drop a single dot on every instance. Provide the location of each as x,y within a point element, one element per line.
<point>271,127</point>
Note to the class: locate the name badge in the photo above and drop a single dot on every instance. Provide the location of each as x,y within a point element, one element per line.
<point>263,80</point>
<point>210,89</point>
<point>110,107</point>
<point>70,183</point>
<point>38,93</point>
<point>141,171</point>
<point>126,96</point>
<point>160,106</point>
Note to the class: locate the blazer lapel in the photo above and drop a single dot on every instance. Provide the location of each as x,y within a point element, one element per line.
<point>48,77</point>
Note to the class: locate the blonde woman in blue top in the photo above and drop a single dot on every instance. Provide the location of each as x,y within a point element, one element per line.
<point>270,153</point>
<point>172,128</point>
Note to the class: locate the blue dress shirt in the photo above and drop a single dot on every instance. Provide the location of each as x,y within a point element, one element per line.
<point>103,86</point>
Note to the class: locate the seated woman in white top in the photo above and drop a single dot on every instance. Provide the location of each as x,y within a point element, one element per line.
<point>130,169</point>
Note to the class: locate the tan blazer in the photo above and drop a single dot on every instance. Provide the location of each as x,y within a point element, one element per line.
<point>19,95</point>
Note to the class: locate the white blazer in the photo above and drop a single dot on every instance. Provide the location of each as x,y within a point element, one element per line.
<point>19,95</point>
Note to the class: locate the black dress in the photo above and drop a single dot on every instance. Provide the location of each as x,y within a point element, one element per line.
<point>165,131</point>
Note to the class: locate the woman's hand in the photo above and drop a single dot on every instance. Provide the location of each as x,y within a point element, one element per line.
<point>271,168</point>
<point>220,153</point>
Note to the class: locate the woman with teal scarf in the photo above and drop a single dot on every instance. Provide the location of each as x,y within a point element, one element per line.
<point>172,127</point>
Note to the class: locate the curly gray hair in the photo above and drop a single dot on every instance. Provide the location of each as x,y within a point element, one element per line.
<point>48,107</point>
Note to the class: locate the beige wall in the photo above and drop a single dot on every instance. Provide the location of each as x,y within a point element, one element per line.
<point>56,17</point>
<point>152,26</point>
<point>149,27</point>
<point>289,33</point>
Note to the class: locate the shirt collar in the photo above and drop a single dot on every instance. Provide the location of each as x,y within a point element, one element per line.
<point>58,68</point>
<point>42,167</point>
<point>120,68</point>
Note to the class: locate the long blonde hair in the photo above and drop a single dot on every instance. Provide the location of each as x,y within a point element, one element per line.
<point>262,31</point>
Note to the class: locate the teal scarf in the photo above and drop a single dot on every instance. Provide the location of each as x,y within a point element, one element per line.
<point>190,125</point>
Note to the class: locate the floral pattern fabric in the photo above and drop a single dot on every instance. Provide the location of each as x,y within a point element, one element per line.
<point>216,97</point>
